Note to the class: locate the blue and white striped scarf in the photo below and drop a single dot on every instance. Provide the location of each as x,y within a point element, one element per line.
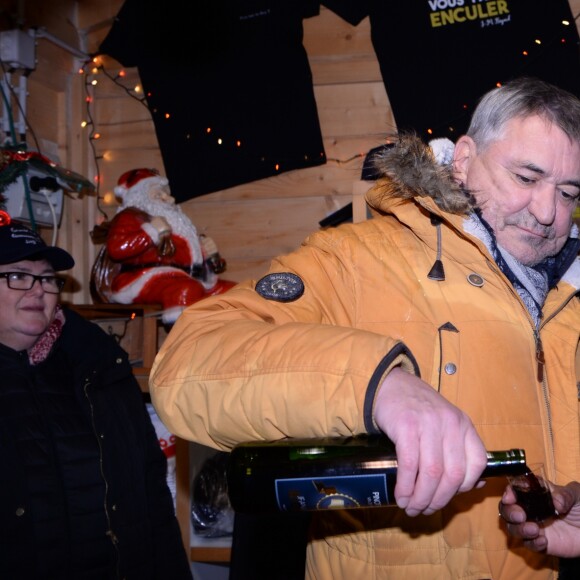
<point>532,283</point>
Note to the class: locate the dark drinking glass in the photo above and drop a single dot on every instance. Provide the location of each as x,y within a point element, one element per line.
<point>533,494</point>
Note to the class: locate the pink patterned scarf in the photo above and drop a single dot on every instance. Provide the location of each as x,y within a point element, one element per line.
<point>42,346</point>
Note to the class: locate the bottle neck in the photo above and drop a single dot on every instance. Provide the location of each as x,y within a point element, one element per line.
<point>506,462</point>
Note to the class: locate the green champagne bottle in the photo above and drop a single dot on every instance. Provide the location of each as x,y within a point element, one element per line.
<point>293,475</point>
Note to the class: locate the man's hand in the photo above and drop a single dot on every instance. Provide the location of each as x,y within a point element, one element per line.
<point>439,452</point>
<point>559,536</point>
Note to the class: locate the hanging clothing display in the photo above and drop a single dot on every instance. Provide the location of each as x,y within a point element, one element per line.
<point>437,57</point>
<point>229,88</point>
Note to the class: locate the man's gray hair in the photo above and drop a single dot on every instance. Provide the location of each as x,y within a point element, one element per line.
<point>524,97</point>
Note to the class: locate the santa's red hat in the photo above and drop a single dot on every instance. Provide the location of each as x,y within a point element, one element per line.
<point>138,179</point>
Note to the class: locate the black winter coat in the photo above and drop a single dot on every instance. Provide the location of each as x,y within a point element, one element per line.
<point>83,491</point>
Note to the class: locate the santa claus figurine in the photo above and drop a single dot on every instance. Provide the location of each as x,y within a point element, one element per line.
<point>154,251</point>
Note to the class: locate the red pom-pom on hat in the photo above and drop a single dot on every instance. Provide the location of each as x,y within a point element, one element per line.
<point>5,218</point>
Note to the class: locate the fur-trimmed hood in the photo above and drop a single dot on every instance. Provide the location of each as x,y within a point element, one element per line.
<point>408,169</point>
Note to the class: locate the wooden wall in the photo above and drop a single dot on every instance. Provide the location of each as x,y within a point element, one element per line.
<point>250,223</point>
<point>253,222</point>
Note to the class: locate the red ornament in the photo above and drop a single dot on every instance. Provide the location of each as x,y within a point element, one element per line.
<point>5,218</point>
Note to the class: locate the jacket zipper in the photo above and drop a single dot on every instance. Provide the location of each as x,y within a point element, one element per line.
<point>109,532</point>
<point>540,357</point>
<point>541,376</point>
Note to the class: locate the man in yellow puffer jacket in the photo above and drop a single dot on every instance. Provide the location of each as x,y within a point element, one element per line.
<point>450,321</point>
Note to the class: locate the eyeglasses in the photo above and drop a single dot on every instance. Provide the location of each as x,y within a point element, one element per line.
<point>24,281</point>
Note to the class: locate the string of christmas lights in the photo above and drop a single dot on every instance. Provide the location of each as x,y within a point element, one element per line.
<point>91,69</point>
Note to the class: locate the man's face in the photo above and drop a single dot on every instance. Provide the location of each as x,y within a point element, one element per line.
<point>527,185</point>
<point>26,314</point>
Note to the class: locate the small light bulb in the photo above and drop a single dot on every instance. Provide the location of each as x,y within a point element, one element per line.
<point>109,198</point>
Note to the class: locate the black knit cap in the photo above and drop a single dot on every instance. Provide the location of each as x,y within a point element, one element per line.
<point>17,242</point>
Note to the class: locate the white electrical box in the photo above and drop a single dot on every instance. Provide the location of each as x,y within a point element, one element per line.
<point>37,192</point>
<point>17,49</point>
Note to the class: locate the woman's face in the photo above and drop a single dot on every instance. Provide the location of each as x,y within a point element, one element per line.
<point>26,314</point>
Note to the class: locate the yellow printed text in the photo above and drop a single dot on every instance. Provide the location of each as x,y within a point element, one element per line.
<point>474,12</point>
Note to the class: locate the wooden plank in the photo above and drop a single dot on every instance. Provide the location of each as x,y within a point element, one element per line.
<point>355,69</point>
<point>97,14</point>
<point>239,269</point>
<point>53,66</point>
<point>260,229</point>
<point>78,212</point>
<point>329,35</point>
<point>58,17</point>
<point>131,134</point>
<point>125,112</point>
<point>43,111</point>
<point>354,109</point>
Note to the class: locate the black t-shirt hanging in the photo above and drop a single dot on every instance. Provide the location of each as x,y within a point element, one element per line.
<point>228,85</point>
<point>438,57</point>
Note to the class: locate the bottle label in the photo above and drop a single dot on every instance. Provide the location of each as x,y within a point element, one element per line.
<point>338,492</point>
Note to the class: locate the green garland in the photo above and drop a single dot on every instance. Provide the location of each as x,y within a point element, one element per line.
<point>10,173</point>
<point>13,164</point>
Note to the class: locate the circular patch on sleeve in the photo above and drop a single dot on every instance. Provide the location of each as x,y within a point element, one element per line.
<point>282,287</point>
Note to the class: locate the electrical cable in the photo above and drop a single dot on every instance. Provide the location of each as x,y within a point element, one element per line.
<point>129,91</point>
<point>53,214</point>
<point>8,109</point>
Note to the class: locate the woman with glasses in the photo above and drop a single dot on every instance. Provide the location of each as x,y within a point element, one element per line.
<point>83,492</point>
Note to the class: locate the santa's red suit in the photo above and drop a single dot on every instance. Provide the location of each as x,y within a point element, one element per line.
<point>157,267</point>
